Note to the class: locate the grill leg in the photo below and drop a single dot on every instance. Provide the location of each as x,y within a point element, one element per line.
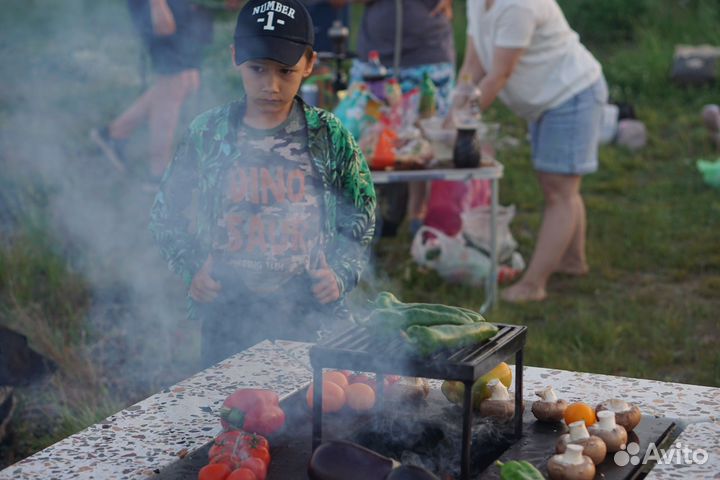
<point>317,408</point>
<point>380,391</point>
<point>466,433</point>
<point>518,393</point>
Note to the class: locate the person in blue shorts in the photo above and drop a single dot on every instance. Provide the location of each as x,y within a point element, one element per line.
<point>525,53</point>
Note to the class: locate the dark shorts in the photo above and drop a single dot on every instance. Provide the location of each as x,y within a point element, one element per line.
<point>185,48</point>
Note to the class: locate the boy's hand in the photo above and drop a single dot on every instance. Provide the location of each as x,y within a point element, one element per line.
<point>325,286</point>
<point>203,288</point>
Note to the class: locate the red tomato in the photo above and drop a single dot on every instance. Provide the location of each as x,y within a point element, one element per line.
<point>242,474</point>
<point>254,440</point>
<point>228,459</point>
<point>215,471</point>
<point>261,453</point>
<point>257,466</point>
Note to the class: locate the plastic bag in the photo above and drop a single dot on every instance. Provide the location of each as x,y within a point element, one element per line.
<point>710,172</point>
<point>449,198</point>
<point>476,229</point>
<point>351,111</point>
<point>451,257</point>
<point>377,143</point>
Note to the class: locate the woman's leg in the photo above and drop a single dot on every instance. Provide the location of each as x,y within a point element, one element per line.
<point>574,262</point>
<point>168,96</point>
<point>560,225</point>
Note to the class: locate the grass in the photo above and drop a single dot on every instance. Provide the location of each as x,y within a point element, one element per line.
<point>647,309</point>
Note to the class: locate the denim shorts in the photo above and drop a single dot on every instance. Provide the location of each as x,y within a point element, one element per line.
<point>565,139</point>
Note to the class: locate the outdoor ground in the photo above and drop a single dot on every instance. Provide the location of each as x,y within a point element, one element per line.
<point>81,278</point>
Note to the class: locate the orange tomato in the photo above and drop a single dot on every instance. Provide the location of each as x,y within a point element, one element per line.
<point>360,397</point>
<point>242,474</point>
<point>580,411</point>
<point>336,377</point>
<point>214,471</point>
<point>333,397</point>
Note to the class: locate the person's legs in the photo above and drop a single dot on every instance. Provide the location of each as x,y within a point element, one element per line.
<point>169,95</point>
<point>557,231</point>
<point>574,261</point>
<point>417,204</point>
<point>123,126</point>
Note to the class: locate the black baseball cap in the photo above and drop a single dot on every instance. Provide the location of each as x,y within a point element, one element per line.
<point>279,30</point>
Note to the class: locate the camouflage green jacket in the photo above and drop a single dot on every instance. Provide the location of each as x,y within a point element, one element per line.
<point>189,202</point>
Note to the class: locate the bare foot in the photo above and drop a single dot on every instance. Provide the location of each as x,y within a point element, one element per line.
<point>576,270</point>
<point>521,293</point>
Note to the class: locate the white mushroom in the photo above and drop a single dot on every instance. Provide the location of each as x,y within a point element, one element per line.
<point>408,390</point>
<point>500,404</point>
<point>571,465</point>
<point>626,414</point>
<point>549,408</point>
<point>593,446</point>
<point>614,435</point>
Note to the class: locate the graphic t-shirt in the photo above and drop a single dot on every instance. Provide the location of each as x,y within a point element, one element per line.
<point>269,231</point>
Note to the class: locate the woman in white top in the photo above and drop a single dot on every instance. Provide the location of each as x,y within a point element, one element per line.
<point>525,53</point>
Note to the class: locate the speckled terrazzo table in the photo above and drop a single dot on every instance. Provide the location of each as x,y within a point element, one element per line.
<point>140,440</point>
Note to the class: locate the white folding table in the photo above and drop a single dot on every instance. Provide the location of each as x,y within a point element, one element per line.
<point>493,173</point>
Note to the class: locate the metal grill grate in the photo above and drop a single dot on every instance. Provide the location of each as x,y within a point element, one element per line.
<point>356,349</point>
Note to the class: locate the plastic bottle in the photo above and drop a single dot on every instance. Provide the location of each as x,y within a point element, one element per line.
<point>393,92</point>
<point>428,93</point>
<point>466,105</point>
<point>375,75</point>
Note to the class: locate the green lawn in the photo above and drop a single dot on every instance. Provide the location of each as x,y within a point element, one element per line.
<point>649,307</point>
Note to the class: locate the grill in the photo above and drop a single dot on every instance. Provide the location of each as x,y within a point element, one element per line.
<point>356,349</point>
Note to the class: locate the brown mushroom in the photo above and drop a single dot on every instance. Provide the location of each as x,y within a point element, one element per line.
<point>571,465</point>
<point>626,414</point>
<point>593,446</point>
<point>500,405</point>
<point>549,408</point>
<point>615,436</point>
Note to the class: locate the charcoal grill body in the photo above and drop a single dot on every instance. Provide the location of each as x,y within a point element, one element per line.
<point>356,349</point>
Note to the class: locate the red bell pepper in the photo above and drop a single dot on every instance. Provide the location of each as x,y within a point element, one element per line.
<point>252,410</point>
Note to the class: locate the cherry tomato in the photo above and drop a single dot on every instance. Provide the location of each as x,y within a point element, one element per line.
<point>262,453</point>
<point>228,459</point>
<point>214,471</point>
<point>257,466</point>
<point>242,474</point>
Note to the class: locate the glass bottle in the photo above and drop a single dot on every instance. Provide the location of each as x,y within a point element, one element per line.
<point>466,114</point>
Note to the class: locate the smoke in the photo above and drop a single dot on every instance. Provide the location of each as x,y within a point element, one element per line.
<point>68,66</point>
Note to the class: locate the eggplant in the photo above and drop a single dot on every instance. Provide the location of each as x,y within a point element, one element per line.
<point>410,472</point>
<point>340,460</point>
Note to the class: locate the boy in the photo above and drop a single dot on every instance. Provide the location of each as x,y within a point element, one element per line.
<point>268,207</point>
